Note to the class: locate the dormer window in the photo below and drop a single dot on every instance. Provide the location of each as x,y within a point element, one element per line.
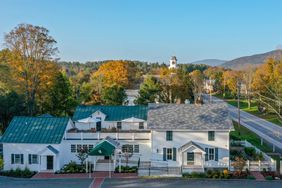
<point>119,125</point>
<point>141,125</point>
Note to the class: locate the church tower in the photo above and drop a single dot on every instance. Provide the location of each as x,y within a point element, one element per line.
<point>172,63</point>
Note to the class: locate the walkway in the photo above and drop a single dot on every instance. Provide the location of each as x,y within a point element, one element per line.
<point>258,176</point>
<point>46,175</point>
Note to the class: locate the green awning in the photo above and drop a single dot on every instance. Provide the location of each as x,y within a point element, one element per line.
<point>104,148</point>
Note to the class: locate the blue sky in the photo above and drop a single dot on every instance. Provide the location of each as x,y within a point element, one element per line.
<point>151,30</point>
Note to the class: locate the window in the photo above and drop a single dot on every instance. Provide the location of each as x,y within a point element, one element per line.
<point>211,135</point>
<point>127,148</point>
<point>169,135</point>
<point>169,153</point>
<point>85,147</point>
<point>32,159</point>
<point>141,125</point>
<point>118,125</point>
<point>78,148</point>
<point>73,148</point>
<point>17,158</point>
<point>90,147</point>
<point>136,148</point>
<point>211,154</point>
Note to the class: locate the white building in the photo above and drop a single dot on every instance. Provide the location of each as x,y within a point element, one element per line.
<point>173,63</point>
<point>186,136</point>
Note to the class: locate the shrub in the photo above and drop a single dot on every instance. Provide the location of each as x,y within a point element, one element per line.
<point>250,151</point>
<point>26,173</point>
<point>268,177</point>
<point>249,177</point>
<point>1,163</point>
<point>127,169</point>
<point>72,167</point>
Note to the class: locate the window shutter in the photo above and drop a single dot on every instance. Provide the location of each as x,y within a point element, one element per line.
<point>164,154</point>
<point>21,158</point>
<point>174,154</point>
<point>12,158</point>
<point>216,154</point>
<point>29,158</point>
<point>207,154</point>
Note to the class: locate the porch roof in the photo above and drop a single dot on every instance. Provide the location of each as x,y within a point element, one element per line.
<point>189,144</point>
<point>105,148</point>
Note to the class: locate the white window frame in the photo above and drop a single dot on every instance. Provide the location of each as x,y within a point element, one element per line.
<point>171,154</point>
<point>211,155</point>
<point>17,157</point>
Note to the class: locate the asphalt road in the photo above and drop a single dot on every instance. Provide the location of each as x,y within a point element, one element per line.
<point>270,132</point>
<point>182,183</point>
<point>6,182</point>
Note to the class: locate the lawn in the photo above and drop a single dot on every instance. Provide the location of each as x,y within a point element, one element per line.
<point>246,134</point>
<point>253,110</point>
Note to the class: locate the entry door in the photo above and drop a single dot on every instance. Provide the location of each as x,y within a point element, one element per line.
<point>98,126</point>
<point>190,158</point>
<point>50,162</point>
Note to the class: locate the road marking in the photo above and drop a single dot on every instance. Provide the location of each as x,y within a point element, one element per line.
<point>91,184</point>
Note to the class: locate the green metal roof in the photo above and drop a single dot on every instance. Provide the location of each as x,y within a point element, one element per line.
<point>36,130</point>
<point>113,113</point>
<point>104,148</point>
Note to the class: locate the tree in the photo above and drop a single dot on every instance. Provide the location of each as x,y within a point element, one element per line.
<point>198,81</point>
<point>267,84</point>
<point>60,100</point>
<point>32,50</point>
<point>113,72</point>
<point>11,104</point>
<point>149,91</point>
<point>114,95</point>
<point>82,155</point>
<point>239,164</point>
<point>231,78</point>
<point>247,79</point>
<point>176,86</point>
<point>216,74</point>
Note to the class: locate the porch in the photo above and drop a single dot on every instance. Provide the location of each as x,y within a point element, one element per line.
<point>191,157</point>
<point>48,160</point>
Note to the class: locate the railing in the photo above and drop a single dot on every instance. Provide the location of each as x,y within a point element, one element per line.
<point>102,135</point>
<point>268,163</point>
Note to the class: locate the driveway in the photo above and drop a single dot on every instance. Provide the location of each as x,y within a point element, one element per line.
<point>6,182</point>
<point>182,183</point>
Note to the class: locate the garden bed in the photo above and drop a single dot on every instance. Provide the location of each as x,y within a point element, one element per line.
<point>216,174</point>
<point>127,169</point>
<point>71,168</point>
<point>18,173</point>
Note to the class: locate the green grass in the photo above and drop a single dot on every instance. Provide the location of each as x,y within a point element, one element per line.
<point>273,118</point>
<point>246,134</point>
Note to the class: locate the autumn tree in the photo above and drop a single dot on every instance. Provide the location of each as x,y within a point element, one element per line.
<point>267,84</point>
<point>33,50</point>
<point>176,86</point>
<point>231,79</point>
<point>216,74</point>
<point>247,79</point>
<point>113,72</point>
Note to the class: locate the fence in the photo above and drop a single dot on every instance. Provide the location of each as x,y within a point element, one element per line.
<point>268,163</point>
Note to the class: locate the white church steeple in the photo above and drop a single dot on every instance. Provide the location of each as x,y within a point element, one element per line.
<point>172,63</point>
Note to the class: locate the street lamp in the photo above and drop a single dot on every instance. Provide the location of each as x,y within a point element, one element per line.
<point>238,102</point>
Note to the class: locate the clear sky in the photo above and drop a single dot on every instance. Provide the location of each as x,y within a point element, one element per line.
<point>151,30</point>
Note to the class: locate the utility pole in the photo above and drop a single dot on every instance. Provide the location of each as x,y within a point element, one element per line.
<point>238,102</point>
<point>210,85</point>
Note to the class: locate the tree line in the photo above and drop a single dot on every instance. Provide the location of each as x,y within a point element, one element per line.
<point>33,81</point>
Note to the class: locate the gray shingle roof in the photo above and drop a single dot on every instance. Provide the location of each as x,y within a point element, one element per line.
<point>213,116</point>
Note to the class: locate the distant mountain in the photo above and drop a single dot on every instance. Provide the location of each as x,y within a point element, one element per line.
<point>256,59</point>
<point>211,62</point>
